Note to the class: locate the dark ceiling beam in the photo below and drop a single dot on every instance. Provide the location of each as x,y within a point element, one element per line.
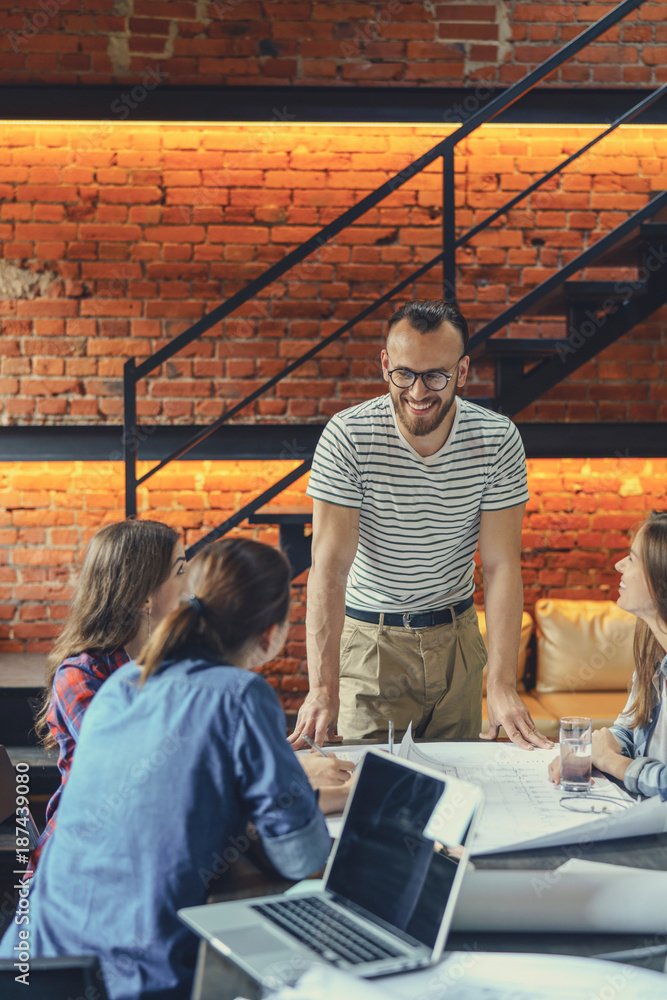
<point>296,104</point>
<point>295,442</point>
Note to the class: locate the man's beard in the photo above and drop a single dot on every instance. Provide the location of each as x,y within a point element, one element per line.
<point>422,426</point>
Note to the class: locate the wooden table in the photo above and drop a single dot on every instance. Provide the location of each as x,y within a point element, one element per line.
<point>219,979</point>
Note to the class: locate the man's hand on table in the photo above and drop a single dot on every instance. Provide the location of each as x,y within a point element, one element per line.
<point>317,718</point>
<point>505,708</point>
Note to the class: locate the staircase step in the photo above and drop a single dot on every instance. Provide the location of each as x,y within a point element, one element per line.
<point>281,515</point>
<point>628,252</point>
<point>591,294</point>
<point>517,348</point>
<point>44,773</point>
<point>597,292</point>
<point>654,230</point>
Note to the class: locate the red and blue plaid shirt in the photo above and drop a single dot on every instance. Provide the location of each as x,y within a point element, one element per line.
<point>75,682</point>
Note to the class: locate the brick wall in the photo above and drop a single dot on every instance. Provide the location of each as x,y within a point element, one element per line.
<point>377,43</point>
<point>116,237</point>
<point>575,528</point>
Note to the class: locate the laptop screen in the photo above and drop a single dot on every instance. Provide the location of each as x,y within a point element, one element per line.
<point>383,862</point>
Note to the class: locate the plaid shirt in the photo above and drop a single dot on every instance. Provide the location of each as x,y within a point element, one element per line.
<point>75,682</point>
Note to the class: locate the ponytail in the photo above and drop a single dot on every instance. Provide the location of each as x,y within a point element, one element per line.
<point>240,589</point>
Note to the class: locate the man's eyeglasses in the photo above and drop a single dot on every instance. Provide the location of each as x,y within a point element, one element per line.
<point>436,381</point>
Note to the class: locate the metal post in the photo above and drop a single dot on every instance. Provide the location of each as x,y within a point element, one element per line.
<point>130,437</point>
<point>448,226</point>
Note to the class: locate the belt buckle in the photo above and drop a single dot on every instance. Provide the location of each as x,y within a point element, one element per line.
<point>406,620</point>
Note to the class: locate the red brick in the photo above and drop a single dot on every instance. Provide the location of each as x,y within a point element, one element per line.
<point>127,233</point>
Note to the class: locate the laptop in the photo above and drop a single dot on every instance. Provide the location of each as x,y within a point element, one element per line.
<point>387,898</point>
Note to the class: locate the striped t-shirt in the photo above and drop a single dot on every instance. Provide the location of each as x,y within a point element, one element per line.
<point>419,517</point>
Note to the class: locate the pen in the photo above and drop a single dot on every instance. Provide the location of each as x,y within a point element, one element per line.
<point>391,736</point>
<point>313,744</point>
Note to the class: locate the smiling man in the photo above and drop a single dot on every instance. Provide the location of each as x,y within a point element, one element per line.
<point>404,488</point>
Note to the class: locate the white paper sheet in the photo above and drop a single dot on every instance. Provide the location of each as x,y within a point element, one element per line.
<point>478,976</point>
<point>590,899</point>
<point>453,813</point>
<point>522,808</point>
<point>355,754</point>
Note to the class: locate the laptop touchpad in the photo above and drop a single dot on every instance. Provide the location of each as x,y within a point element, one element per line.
<point>251,940</point>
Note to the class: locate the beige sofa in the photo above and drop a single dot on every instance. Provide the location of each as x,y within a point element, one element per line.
<point>581,662</point>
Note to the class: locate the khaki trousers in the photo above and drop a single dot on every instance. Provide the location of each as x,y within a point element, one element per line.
<point>431,677</point>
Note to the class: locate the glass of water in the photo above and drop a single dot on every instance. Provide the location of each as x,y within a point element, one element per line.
<point>575,754</point>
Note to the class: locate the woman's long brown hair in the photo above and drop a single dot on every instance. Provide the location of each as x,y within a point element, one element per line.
<point>123,564</point>
<point>243,588</point>
<point>647,650</point>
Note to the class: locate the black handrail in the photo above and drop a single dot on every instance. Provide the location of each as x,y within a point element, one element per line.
<point>582,260</point>
<point>628,116</point>
<point>251,507</point>
<point>445,148</point>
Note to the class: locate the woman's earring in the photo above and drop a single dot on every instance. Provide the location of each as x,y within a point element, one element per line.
<point>149,623</point>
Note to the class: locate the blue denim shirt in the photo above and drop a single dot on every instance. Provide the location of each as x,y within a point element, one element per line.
<point>164,781</point>
<point>646,775</point>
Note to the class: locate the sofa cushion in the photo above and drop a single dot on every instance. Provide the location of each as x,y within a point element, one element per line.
<point>524,639</point>
<point>545,720</point>
<point>583,646</point>
<point>600,706</point>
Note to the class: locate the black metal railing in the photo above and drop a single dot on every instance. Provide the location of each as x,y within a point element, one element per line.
<point>447,257</point>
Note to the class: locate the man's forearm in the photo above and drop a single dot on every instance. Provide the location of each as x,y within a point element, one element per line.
<point>325,616</point>
<point>503,607</point>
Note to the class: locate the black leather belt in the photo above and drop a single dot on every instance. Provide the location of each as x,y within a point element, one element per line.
<point>412,619</point>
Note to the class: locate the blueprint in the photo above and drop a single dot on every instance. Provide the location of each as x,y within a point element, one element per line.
<point>523,809</point>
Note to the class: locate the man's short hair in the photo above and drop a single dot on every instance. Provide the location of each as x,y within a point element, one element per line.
<point>426,315</point>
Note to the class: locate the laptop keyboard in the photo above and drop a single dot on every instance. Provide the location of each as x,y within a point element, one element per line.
<point>326,931</point>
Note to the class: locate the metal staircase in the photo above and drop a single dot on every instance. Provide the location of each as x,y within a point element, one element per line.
<point>614,310</point>
<point>594,313</point>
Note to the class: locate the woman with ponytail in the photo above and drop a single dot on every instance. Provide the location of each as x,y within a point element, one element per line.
<point>634,749</point>
<point>178,754</point>
<point>133,574</point>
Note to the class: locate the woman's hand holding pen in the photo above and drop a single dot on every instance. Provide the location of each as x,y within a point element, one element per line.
<point>330,775</point>
<point>326,771</point>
